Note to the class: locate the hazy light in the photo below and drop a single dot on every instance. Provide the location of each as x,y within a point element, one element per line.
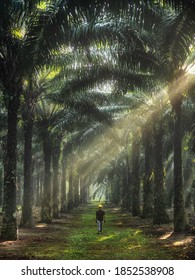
<point>111,144</point>
<point>191,69</point>
<point>107,147</point>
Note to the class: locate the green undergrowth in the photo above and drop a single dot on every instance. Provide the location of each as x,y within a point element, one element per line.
<point>115,242</point>
<point>76,238</point>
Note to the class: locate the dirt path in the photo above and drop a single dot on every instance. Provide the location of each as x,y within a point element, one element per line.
<point>74,236</point>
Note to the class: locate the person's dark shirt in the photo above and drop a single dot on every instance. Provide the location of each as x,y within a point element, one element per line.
<point>100,215</point>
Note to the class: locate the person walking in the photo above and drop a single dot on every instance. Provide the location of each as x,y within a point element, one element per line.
<point>100,218</point>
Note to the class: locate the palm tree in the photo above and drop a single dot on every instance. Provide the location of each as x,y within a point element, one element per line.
<point>29,32</point>
<point>177,77</point>
<point>36,86</point>
<point>168,56</point>
<point>28,116</point>
<point>11,78</point>
<point>47,115</point>
<point>25,44</point>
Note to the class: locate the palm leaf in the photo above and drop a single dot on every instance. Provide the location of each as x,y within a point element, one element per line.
<point>180,4</point>
<point>178,36</point>
<point>80,139</point>
<point>46,31</point>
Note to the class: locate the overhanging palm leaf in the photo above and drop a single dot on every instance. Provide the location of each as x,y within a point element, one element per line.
<point>180,4</point>
<point>104,32</point>
<point>44,33</point>
<point>98,75</point>
<point>79,140</point>
<point>178,36</point>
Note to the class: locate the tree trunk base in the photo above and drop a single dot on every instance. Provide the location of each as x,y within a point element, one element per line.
<point>46,215</point>
<point>27,224</point>
<point>9,229</point>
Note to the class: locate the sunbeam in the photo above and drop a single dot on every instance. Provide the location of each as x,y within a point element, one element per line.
<point>107,147</point>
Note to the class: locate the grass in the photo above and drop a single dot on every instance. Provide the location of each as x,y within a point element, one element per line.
<point>116,241</point>
<point>75,238</point>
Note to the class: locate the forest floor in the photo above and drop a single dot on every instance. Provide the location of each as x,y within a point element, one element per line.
<point>74,237</point>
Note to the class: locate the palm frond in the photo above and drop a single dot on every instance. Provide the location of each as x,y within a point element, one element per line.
<point>95,76</point>
<point>104,32</point>
<point>80,139</point>
<point>140,60</point>
<point>113,109</point>
<point>46,31</point>
<point>88,108</point>
<point>180,4</point>
<point>178,36</point>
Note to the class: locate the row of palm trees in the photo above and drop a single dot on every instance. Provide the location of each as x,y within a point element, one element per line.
<point>53,54</point>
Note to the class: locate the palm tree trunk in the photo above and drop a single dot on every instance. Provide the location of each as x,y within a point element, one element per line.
<point>46,207</point>
<point>19,190</point>
<point>55,158</point>
<point>193,195</point>
<point>70,204</point>
<point>148,199</point>
<point>135,178</point>
<point>179,209</point>
<point>124,195</point>
<point>76,190</point>
<point>126,187</point>
<point>82,187</point>
<point>38,190</point>
<point>113,178</point>
<point>3,147</point>
<point>160,216</point>
<point>63,188</point>
<point>1,187</point>
<point>27,219</point>
<point>83,190</point>
<point>39,183</point>
<point>28,114</point>
<point>9,227</point>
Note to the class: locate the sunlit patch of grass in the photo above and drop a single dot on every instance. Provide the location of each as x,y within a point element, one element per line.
<point>103,238</point>
<point>185,241</point>
<point>41,225</point>
<point>165,236</point>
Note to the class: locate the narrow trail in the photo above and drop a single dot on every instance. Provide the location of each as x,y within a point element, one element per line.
<point>75,237</point>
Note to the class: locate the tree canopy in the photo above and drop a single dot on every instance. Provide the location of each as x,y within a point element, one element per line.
<point>97,99</point>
